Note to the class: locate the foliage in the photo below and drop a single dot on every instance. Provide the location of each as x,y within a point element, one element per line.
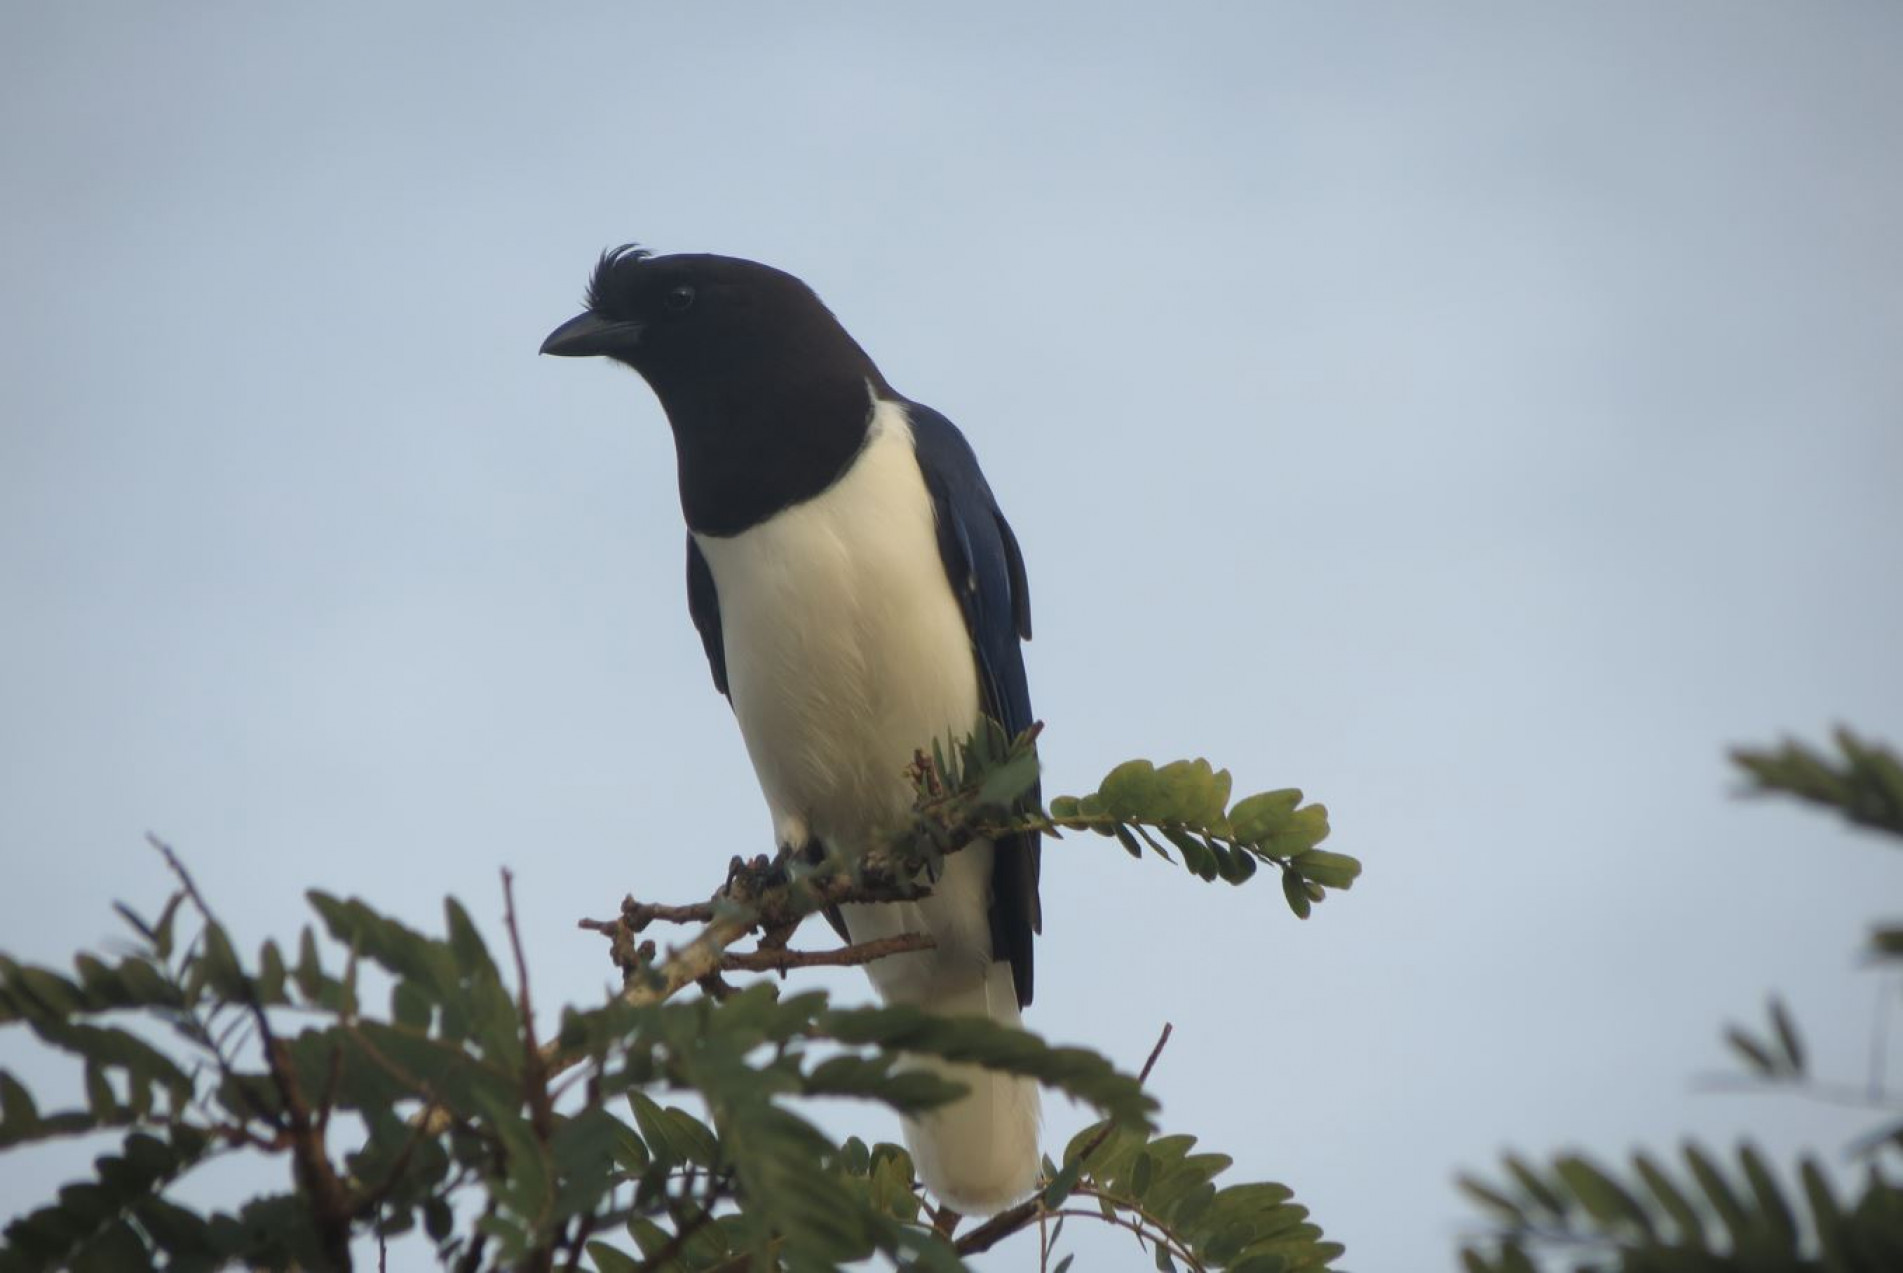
<point>1140,805</point>
<point>1865,786</point>
<point>1167,1196</point>
<point>400,1078</point>
<point>1705,1215</point>
<point>1187,803</point>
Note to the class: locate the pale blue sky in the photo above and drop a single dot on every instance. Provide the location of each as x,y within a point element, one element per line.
<point>1477,416</point>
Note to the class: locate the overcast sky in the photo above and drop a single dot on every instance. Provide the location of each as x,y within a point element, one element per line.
<point>1477,415</point>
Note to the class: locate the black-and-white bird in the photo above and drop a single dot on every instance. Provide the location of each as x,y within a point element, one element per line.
<point>859,595</point>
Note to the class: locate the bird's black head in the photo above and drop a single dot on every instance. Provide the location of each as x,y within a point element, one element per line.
<point>767,395</point>
<point>687,322</point>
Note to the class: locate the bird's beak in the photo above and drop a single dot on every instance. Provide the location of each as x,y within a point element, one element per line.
<point>586,335</point>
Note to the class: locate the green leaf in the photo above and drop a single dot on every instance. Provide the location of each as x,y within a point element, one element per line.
<point>114,1248</point>
<point>1155,845</point>
<point>1198,858</point>
<point>1129,791</point>
<point>1004,783</point>
<point>1788,1037</point>
<point>1256,818</point>
<point>609,1260</point>
<point>218,964</point>
<point>269,983</point>
<point>1514,1259</point>
<point>1535,1188</point>
<point>1686,1220</point>
<point>1297,895</point>
<point>1077,1072</point>
<point>1306,828</point>
<point>41,994</point>
<point>410,1006</point>
<point>100,1101</point>
<point>1263,1263</point>
<point>162,942</point>
<point>1331,870</point>
<point>1602,1196</point>
<point>1491,1199</point>
<point>523,1182</point>
<point>1753,1053</point>
<point>19,1115</point>
<point>1774,1212</point>
<point>582,1149</point>
<point>1736,1219</point>
<point>1239,866</point>
<point>673,1136</point>
<point>1827,1217</point>
<point>1191,792</point>
<point>309,971</point>
<point>877,1078</point>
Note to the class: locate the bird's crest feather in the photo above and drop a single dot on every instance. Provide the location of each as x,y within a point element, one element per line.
<point>598,282</point>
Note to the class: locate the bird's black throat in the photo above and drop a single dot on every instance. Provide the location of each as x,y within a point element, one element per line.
<point>747,451</point>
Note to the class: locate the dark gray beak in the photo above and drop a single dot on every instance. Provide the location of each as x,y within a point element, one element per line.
<point>587,335</point>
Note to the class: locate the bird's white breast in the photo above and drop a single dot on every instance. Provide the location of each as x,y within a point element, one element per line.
<point>846,652</point>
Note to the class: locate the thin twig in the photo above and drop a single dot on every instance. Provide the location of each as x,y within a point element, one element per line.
<point>534,1069</point>
<point>1880,1042</point>
<point>842,957</point>
<point>1159,1236</point>
<point>1852,1095</point>
<point>585,1224</point>
<point>1143,1075</point>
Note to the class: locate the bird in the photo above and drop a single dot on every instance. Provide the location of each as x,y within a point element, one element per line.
<point>859,595</point>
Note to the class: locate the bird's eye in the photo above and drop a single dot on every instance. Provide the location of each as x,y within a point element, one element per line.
<point>679,299</point>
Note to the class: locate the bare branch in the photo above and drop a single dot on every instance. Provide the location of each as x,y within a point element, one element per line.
<point>534,1069</point>
<point>770,960</point>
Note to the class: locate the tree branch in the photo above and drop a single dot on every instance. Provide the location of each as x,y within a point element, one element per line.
<point>843,957</point>
<point>331,1204</point>
<point>755,899</point>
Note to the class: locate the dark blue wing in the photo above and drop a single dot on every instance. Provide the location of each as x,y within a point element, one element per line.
<point>986,571</point>
<point>703,603</point>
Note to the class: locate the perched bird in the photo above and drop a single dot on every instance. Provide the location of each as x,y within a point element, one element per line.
<point>859,595</point>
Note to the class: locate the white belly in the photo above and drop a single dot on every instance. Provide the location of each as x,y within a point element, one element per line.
<point>846,653</point>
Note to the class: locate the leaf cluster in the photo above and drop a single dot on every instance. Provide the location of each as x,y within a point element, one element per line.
<point>1697,1218</point>
<point>1703,1217</point>
<point>399,1080</point>
<point>1185,805</point>
<point>1166,1195</point>
<point>553,1167</point>
<point>1863,781</point>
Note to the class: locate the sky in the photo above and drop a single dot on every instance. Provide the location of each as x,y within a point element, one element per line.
<point>1479,416</point>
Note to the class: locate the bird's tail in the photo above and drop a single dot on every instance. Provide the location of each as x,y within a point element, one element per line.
<point>977,1154</point>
